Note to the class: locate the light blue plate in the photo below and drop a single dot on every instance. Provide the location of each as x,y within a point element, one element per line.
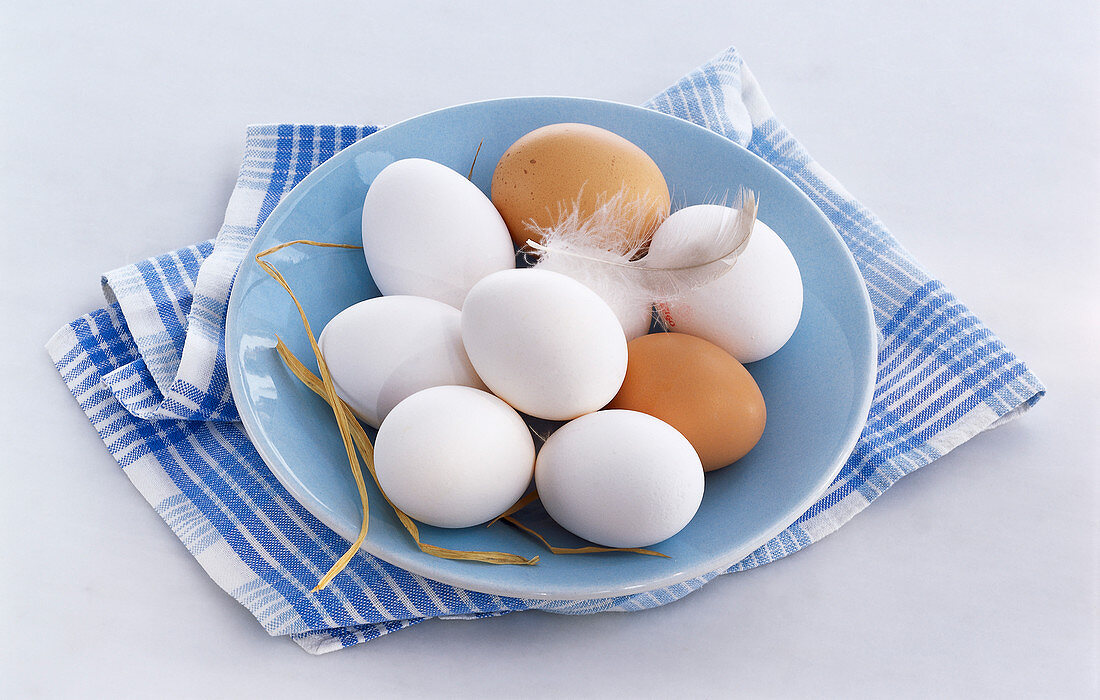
<point>817,388</point>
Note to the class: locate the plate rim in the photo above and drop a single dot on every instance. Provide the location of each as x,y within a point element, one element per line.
<point>412,563</point>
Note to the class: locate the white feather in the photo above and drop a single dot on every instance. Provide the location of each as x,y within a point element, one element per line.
<point>597,252</point>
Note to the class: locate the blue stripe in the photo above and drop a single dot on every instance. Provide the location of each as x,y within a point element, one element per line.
<point>910,305</point>
<point>326,145</point>
<point>304,161</point>
<point>283,149</point>
<point>348,136</point>
<point>190,263</point>
<point>165,306</point>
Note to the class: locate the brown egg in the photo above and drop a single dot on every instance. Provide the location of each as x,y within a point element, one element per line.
<point>543,174</point>
<point>697,388</point>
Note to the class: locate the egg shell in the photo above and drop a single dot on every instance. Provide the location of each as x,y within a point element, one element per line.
<point>383,350</point>
<point>549,169</point>
<point>453,456</point>
<point>697,388</point>
<point>752,310</point>
<point>619,478</point>
<point>430,232</point>
<point>544,342</point>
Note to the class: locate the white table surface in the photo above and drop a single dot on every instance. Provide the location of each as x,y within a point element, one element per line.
<point>972,131</point>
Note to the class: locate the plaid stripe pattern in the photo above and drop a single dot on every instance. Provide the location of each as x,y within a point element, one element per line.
<point>148,369</point>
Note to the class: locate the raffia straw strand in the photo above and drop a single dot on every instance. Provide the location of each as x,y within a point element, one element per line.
<point>470,175</point>
<point>579,550</point>
<point>519,505</point>
<point>366,450</point>
<point>330,394</point>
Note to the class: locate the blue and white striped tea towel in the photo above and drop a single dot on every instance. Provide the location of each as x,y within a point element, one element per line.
<point>149,371</point>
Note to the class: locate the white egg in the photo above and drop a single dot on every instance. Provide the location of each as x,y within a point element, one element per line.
<point>385,349</point>
<point>452,456</point>
<point>619,478</point>
<point>544,342</point>
<point>430,232</point>
<point>752,310</point>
